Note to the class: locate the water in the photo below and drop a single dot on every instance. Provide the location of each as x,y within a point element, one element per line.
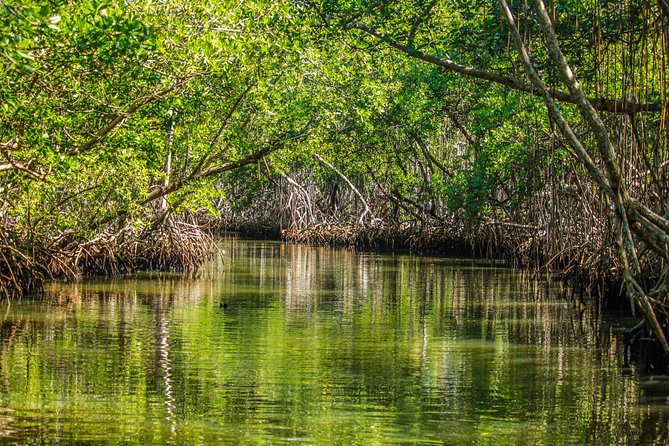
<point>282,344</point>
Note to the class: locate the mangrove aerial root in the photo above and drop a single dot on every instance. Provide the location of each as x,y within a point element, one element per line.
<point>173,246</point>
<point>178,244</point>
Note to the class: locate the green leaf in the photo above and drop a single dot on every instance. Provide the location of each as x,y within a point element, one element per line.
<point>27,69</point>
<point>25,55</point>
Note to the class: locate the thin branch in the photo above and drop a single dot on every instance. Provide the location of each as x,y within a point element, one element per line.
<point>227,166</point>
<point>456,122</point>
<point>368,210</point>
<point>391,195</point>
<point>418,21</point>
<point>228,115</point>
<point>426,151</point>
<point>20,167</point>
<point>121,118</point>
<point>208,160</point>
<point>664,4</point>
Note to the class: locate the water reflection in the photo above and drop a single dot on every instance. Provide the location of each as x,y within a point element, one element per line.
<point>317,345</point>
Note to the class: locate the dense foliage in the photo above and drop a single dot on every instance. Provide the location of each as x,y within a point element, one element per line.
<point>115,113</point>
<point>126,125</point>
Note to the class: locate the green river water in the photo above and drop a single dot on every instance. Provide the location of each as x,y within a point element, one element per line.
<point>287,344</point>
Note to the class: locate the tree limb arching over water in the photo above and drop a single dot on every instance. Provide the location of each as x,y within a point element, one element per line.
<point>130,130</point>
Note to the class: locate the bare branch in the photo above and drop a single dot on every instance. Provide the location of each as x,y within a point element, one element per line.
<point>350,185</point>
<point>228,115</point>
<point>227,166</point>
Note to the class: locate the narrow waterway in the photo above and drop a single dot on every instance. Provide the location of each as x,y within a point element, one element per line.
<point>279,343</point>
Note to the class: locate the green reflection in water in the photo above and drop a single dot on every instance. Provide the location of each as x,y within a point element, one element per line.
<point>318,345</point>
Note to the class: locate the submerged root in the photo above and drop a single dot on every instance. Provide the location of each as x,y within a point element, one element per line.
<point>643,350</point>
<point>589,271</point>
<point>332,235</point>
<point>434,240</point>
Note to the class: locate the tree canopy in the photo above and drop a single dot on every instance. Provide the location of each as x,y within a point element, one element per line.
<point>533,131</point>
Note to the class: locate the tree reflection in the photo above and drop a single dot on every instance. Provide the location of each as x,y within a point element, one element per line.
<point>319,345</point>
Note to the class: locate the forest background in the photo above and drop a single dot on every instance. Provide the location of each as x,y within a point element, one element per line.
<point>131,131</point>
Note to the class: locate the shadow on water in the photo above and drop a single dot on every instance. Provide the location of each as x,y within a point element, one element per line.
<point>279,343</point>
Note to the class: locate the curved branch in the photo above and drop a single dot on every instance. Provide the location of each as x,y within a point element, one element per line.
<point>418,21</point>
<point>226,166</point>
<point>601,104</point>
<point>120,119</point>
<point>368,210</point>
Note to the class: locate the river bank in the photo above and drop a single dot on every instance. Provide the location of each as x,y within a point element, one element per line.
<point>520,246</point>
<point>184,244</point>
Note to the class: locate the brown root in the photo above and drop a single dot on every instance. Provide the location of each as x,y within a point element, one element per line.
<point>178,244</point>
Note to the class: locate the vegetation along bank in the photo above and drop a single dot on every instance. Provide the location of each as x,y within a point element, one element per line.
<point>531,131</point>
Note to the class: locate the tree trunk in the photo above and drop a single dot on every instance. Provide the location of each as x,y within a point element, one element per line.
<point>609,179</point>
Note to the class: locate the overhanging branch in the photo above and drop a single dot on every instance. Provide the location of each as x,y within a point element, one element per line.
<point>121,118</point>
<point>231,165</point>
<point>600,104</point>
